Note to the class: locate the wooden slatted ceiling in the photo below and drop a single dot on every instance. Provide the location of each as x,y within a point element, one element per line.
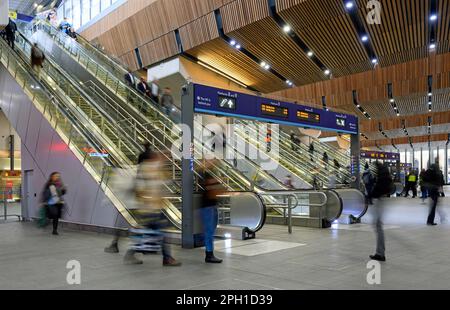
<point>328,31</point>
<point>264,39</point>
<point>403,33</point>
<point>220,55</point>
<point>240,13</point>
<point>159,49</point>
<point>405,140</point>
<point>407,79</point>
<point>200,31</point>
<point>443,28</point>
<point>379,109</point>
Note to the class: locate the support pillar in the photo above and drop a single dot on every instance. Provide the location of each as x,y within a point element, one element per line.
<point>187,192</point>
<point>355,154</point>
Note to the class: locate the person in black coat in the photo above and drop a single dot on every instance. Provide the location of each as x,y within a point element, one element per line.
<point>381,190</point>
<point>10,33</point>
<point>434,180</point>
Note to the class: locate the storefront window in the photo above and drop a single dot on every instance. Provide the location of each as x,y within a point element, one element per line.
<point>426,158</point>
<point>417,161</point>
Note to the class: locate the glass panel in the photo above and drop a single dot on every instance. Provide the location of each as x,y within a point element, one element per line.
<point>95,8</point>
<point>68,10</point>
<point>105,4</point>
<point>426,158</point>
<point>408,157</point>
<point>417,161</point>
<point>442,158</point>
<point>86,16</point>
<point>76,14</point>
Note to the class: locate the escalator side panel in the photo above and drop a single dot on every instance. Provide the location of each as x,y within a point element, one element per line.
<point>44,152</point>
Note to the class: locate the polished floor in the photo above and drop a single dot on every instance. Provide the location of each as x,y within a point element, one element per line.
<point>418,258</point>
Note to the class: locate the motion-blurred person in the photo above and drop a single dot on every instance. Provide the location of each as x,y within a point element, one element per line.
<point>381,190</point>
<point>65,26</point>
<point>311,151</point>
<point>411,184</point>
<point>114,246</point>
<point>154,91</point>
<point>167,102</point>
<point>149,190</point>
<point>10,33</point>
<point>288,182</point>
<point>52,196</point>
<point>325,159</point>
<point>295,141</point>
<point>37,59</point>
<point>332,181</point>
<point>369,181</point>
<point>433,180</point>
<point>423,188</point>
<point>71,33</point>
<point>211,189</point>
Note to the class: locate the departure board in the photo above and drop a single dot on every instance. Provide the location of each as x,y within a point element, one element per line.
<point>271,110</point>
<point>308,117</point>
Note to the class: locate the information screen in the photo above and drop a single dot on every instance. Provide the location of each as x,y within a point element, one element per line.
<point>308,117</point>
<point>340,122</point>
<point>271,110</point>
<point>227,103</point>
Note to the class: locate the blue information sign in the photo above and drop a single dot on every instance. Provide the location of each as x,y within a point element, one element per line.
<point>217,101</point>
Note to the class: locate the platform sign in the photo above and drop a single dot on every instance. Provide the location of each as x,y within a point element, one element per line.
<point>380,155</point>
<point>210,100</point>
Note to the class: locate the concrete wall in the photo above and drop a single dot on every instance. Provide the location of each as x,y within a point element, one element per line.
<point>43,152</point>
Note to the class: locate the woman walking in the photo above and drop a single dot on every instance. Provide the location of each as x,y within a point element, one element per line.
<point>54,191</point>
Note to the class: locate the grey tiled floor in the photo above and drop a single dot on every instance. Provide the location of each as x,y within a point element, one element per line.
<point>418,258</point>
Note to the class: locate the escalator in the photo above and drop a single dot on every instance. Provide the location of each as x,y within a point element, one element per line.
<point>147,117</point>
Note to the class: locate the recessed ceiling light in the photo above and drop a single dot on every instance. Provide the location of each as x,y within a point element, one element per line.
<point>374,61</point>
<point>349,5</point>
<point>267,67</point>
<point>232,43</point>
<point>310,54</point>
<point>392,100</point>
<point>287,28</point>
<point>364,38</point>
<point>430,94</point>
<point>433,17</point>
<point>238,47</point>
<point>432,46</point>
<point>263,64</point>
<point>398,114</point>
<point>327,72</point>
<point>358,106</point>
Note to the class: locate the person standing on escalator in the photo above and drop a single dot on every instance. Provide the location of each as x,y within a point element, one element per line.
<point>211,188</point>
<point>37,59</point>
<point>10,33</point>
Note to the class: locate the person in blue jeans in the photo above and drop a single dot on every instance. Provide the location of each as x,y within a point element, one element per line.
<point>209,214</point>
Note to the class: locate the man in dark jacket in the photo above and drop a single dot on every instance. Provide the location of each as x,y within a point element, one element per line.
<point>381,190</point>
<point>10,32</point>
<point>433,180</point>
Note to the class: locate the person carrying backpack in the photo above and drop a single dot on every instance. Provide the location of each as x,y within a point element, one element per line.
<point>382,189</point>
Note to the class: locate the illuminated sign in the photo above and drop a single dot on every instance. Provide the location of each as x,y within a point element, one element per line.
<point>216,101</point>
<point>340,122</point>
<point>227,103</point>
<point>93,153</point>
<point>380,155</point>
<point>271,110</point>
<point>308,117</point>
